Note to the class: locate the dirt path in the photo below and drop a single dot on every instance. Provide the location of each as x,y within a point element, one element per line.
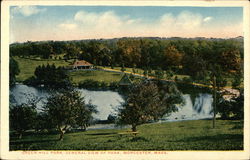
<point>229,91</point>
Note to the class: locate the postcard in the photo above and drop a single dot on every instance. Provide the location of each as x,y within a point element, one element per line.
<point>125,80</point>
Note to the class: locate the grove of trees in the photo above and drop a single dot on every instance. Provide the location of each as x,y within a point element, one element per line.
<point>50,76</point>
<point>184,56</point>
<point>63,110</point>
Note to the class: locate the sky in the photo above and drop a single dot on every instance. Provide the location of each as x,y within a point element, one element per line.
<point>39,23</point>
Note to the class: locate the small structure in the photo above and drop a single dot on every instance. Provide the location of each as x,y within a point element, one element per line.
<point>125,81</point>
<point>82,64</point>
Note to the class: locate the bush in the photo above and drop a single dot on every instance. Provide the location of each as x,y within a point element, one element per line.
<point>114,85</point>
<point>88,84</point>
<point>22,118</point>
<point>233,108</point>
<point>31,81</point>
<point>111,118</point>
<point>187,80</point>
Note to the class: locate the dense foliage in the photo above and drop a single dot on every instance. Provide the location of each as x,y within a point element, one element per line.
<point>68,109</point>
<point>14,70</point>
<point>146,102</point>
<point>232,108</point>
<point>22,118</point>
<point>50,76</point>
<point>184,56</point>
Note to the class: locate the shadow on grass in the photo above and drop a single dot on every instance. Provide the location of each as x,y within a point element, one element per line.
<point>136,139</point>
<point>33,141</point>
<point>97,134</point>
<point>237,127</point>
<point>238,122</point>
<point>216,138</point>
<point>32,133</point>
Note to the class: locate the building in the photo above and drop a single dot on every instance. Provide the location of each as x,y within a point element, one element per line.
<point>82,64</point>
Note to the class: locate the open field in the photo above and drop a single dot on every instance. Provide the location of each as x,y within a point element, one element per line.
<point>28,66</point>
<point>97,75</point>
<point>185,135</point>
<point>140,71</point>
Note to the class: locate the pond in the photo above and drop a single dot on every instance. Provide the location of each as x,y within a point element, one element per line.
<point>197,106</point>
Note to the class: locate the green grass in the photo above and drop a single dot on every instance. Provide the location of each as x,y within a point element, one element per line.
<point>28,66</point>
<point>185,135</point>
<point>96,75</point>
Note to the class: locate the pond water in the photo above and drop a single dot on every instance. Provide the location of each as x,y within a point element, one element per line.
<point>196,106</point>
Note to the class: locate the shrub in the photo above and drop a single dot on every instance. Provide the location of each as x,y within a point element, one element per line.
<point>232,108</point>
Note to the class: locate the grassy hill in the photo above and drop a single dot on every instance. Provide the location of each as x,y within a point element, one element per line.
<point>27,67</point>
<point>185,135</point>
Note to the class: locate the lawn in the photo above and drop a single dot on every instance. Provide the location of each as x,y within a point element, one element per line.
<point>185,135</point>
<point>140,71</point>
<point>28,66</point>
<point>96,75</point>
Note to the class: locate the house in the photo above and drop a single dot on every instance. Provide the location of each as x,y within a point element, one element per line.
<point>82,64</point>
<point>125,81</point>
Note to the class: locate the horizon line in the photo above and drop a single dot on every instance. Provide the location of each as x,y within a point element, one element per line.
<point>129,37</point>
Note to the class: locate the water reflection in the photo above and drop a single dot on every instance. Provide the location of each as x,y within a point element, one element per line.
<point>107,101</point>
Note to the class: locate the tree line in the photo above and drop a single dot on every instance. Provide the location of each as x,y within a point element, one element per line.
<point>185,56</point>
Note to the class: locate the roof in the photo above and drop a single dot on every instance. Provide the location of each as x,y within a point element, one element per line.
<point>82,63</point>
<point>125,80</point>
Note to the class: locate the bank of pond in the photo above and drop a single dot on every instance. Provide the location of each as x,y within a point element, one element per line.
<point>198,101</point>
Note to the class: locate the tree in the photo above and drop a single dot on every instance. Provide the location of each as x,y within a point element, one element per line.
<point>217,81</point>
<point>66,108</point>
<point>22,118</point>
<point>232,108</point>
<point>172,57</point>
<point>145,72</point>
<point>146,102</point>
<point>123,68</point>
<point>43,122</point>
<point>85,116</point>
<point>50,76</point>
<point>14,70</point>
<point>159,73</point>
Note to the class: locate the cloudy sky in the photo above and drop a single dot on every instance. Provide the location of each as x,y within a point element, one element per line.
<point>37,23</point>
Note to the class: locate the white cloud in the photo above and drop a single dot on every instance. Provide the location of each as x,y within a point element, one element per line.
<point>101,20</point>
<point>207,19</point>
<point>27,10</point>
<point>108,25</point>
<point>67,26</point>
<point>89,25</point>
<point>184,21</point>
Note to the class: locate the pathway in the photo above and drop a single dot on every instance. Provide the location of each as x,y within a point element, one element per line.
<point>228,90</point>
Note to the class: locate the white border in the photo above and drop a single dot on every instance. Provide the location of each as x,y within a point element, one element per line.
<point>4,123</point>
